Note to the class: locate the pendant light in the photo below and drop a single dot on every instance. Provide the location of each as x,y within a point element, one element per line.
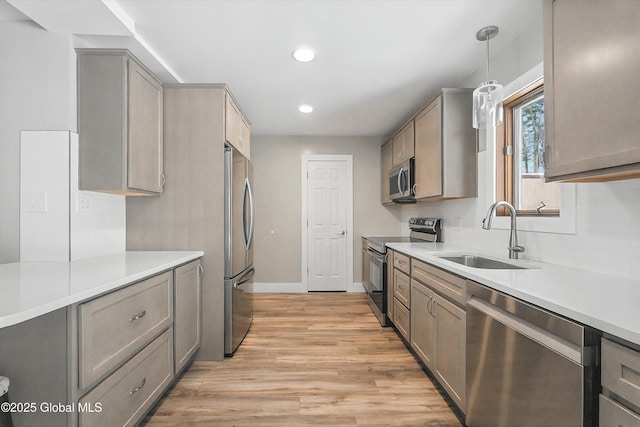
<point>487,98</point>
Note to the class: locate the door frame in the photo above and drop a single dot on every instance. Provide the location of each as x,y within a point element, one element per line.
<point>306,158</point>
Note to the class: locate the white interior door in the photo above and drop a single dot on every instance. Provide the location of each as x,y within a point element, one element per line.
<point>327,227</point>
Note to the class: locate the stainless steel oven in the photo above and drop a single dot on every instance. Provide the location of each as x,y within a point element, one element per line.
<point>374,261</point>
<point>374,273</point>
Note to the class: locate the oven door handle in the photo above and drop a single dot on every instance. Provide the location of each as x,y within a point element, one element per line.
<point>377,255</point>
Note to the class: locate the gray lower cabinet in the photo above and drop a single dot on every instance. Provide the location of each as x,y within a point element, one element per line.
<point>620,376</point>
<point>105,361</point>
<point>438,326</point>
<point>119,124</point>
<point>188,312</point>
<point>115,326</point>
<point>389,279</point>
<point>402,297</point>
<point>126,395</point>
<point>586,137</point>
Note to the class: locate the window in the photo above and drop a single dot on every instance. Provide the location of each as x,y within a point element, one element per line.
<point>520,152</point>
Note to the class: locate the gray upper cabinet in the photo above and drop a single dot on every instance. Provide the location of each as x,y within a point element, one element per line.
<point>237,130</point>
<point>403,144</point>
<point>386,163</point>
<point>445,148</point>
<point>119,124</point>
<point>592,63</point>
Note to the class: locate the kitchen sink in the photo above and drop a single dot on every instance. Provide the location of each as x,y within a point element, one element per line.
<point>481,262</point>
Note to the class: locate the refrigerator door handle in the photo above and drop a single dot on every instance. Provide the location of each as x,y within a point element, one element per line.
<point>247,278</point>
<point>245,232</point>
<point>253,214</point>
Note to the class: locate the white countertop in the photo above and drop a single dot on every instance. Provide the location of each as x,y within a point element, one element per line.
<point>30,289</point>
<point>607,303</point>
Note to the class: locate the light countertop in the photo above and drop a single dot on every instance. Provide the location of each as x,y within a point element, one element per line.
<point>607,303</point>
<point>30,289</point>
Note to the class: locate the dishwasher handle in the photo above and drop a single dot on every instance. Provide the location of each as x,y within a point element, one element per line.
<point>561,346</point>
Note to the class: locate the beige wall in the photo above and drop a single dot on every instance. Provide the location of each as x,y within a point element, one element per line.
<point>277,186</point>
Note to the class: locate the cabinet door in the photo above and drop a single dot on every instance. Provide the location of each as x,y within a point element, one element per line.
<point>144,141</point>
<point>389,296</point>
<point>451,349</point>
<point>403,144</point>
<point>423,323</point>
<point>187,312</point>
<point>232,123</point>
<point>386,163</point>
<point>402,287</point>
<point>245,138</point>
<point>591,86</point>
<point>428,152</point>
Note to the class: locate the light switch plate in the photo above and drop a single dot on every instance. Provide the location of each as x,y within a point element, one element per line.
<point>35,202</point>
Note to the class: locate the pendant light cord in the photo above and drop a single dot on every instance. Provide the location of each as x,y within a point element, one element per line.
<point>487,58</point>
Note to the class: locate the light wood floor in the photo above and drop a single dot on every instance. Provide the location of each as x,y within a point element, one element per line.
<point>309,359</point>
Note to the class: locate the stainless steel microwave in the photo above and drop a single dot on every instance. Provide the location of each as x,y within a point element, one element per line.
<point>401,182</point>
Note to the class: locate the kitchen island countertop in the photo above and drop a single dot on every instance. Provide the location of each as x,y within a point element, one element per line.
<point>607,303</point>
<point>31,289</point>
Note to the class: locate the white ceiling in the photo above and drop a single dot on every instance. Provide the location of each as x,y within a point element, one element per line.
<point>377,60</point>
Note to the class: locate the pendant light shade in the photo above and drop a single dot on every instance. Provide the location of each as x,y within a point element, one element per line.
<point>487,98</point>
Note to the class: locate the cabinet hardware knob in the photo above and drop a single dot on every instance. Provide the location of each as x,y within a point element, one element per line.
<point>137,389</point>
<point>138,316</point>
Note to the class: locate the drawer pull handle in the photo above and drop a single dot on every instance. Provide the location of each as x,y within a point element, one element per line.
<point>138,316</point>
<point>137,389</point>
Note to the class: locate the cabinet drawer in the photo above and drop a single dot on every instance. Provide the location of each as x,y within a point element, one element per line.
<point>447,284</point>
<point>402,262</point>
<point>115,326</point>
<point>402,287</point>
<point>612,414</point>
<point>131,390</point>
<point>402,319</point>
<point>621,371</point>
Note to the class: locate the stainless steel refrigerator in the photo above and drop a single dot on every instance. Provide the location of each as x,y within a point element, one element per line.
<point>239,215</point>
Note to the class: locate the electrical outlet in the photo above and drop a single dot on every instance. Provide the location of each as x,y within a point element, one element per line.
<point>35,202</point>
<point>83,203</point>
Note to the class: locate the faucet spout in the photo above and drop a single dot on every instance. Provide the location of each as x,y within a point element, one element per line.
<point>514,248</point>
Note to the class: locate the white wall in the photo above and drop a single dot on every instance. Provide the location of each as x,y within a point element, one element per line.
<point>35,94</point>
<point>38,93</point>
<point>277,185</point>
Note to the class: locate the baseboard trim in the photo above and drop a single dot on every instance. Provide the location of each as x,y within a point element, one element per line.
<point>293,288</point>
<point>287,288</point>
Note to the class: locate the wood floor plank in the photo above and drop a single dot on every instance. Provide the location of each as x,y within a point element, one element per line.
<point>308,360</point>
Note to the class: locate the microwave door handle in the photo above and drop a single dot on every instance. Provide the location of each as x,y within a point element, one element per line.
<point>400,189</point>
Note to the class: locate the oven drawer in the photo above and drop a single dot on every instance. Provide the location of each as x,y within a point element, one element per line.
<point>447,284</point>
<point>621,371</point>
<point>402,262</point>
<point>402,287</point>
<point>402,320</point>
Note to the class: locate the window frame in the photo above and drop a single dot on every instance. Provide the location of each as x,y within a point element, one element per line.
<point>504,140</point>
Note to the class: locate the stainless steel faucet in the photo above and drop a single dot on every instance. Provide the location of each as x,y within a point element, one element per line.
<point>514,248</point>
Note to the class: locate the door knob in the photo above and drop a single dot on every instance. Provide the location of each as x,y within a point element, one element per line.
<point>342,233</point>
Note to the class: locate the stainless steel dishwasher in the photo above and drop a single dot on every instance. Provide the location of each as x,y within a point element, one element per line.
<point>527,366</point>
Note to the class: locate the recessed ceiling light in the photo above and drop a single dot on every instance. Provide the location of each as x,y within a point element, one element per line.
<point>304,108</point>
<point>304,54</point>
